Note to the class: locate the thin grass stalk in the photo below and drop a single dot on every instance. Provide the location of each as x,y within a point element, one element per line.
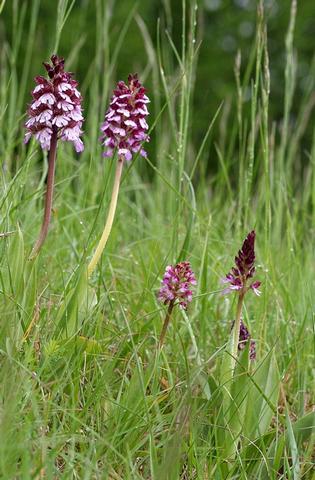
<point>63,12</point>
<point>28,54</point>
<point>254,112</point>
<point>11,123</point>
<point>313,180</point>
<point>265,138</point>
<point>185,60</point>
<point>289,88</point>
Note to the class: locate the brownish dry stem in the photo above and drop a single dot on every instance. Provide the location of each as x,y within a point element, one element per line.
<point>166,322</point>
<point>48,197</point>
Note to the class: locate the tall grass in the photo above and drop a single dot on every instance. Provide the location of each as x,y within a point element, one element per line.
<point>84,393</point>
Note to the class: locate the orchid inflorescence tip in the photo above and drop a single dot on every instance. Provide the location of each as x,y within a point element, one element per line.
<point>244,269</point>
<point>177,284</point>
<point>124,128</point>
<point>56,107</point>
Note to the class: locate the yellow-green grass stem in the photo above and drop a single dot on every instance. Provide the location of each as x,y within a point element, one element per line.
<point>109,221</point>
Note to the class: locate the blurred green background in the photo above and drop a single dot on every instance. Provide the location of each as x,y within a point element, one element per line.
<point>224,27</point>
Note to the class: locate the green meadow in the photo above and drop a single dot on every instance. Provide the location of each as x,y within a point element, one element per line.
<point>86,392</point>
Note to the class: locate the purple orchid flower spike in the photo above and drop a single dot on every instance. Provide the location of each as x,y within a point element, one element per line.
<point>123,131</point>
<point>176,288</point>
<point>244,269</point>
<point>54,114</point>
<point>239,280</point>
<point>124,128</point>
<point>56,108</point>
<point>176,284</point>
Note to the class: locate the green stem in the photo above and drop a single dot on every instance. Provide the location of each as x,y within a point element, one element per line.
<point>48,197</point>
<point>109,221</point>
<point>166,322</point>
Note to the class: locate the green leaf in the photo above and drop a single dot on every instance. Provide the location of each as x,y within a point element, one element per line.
<point>30,291</point>
<point>262,397</point>
<point>16,263</point>
<point>236,411</point>
<point>67,321</point>
<point>169,469</point>
<point>304,428</point>
<point>57,353</point>
<point>294,438</point>
<point>293,448</point>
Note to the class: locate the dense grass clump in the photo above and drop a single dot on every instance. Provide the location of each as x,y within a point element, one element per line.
<point>90,387</point>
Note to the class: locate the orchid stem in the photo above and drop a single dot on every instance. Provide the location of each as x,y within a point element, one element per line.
<point>48,197</point>
<point>236,329</point>
<point>109,221</point>
<point>166,322</point>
